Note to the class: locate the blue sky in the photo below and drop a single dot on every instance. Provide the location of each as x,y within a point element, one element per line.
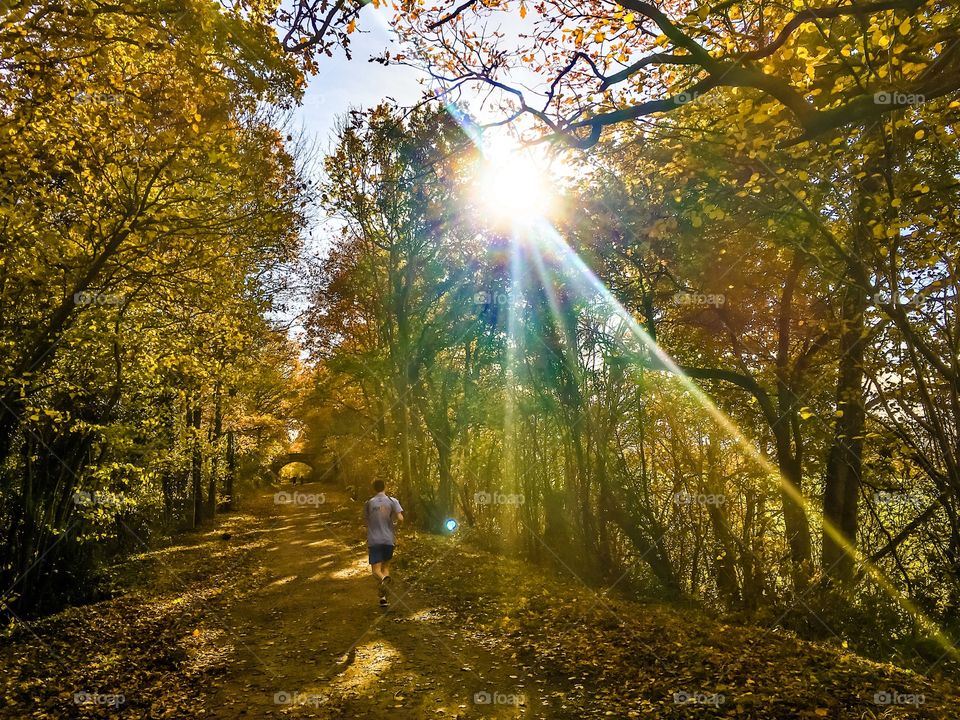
<point>342,84</point>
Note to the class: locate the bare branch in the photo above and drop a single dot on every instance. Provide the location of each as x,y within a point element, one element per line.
<point>451,15</point>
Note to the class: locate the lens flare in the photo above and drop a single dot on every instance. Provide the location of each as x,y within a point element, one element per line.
<point>515,193</point>
<point>587,283</point>
<point>512,189</point>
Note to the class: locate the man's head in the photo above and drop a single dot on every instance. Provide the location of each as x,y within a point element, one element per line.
<point>378,485</point>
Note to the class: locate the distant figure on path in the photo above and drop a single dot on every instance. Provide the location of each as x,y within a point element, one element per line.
<point>380,513</point>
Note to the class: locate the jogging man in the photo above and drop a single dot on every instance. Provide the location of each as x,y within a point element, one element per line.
<point>379,513</point>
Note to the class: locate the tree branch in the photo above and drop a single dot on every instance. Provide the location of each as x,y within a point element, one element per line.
<point>827,13</point>
<point>451,15</point>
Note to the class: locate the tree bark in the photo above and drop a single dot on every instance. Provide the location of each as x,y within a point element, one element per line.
<point>845,458</point>
<point>196,460</point>
<point>231,467</point>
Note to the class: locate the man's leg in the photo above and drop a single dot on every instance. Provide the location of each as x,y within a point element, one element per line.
<point>383,578</point>
<point>379,557</point>
<point>385,573</point>
<point>384,581</point>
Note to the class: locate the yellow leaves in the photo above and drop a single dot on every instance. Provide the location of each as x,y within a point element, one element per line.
<point>351,26</point>
<point>628,18</point>
<point>523,10</point>
<point>712,212</point>
<point>904,28</point>
<point>918,135</point>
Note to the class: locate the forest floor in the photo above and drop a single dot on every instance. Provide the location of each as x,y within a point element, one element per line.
<point>272,613</point>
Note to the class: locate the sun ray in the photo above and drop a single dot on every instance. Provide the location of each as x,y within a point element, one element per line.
<point>730,427</point>
<point>512,189</point>
<point>531,228</point>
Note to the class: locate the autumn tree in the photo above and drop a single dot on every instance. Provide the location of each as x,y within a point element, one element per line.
<point>144,196</point>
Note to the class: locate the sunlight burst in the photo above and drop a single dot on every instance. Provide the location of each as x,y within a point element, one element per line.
<point>513,189</point>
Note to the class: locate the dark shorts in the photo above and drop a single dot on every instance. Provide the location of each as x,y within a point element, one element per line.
<point>379,553</point>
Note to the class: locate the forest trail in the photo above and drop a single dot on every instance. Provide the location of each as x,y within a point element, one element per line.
<point>271,612</point>
<point>311,641</point>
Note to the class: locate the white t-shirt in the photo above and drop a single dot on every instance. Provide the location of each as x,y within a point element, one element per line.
<point>379,513</point>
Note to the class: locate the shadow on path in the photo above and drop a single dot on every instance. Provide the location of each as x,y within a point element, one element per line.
<point>311,641</point>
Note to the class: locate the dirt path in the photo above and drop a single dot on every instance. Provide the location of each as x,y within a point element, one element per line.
<point>270,612</point>
<point>310,641</point>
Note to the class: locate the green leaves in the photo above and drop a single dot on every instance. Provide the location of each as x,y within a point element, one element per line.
<point>144,209</point>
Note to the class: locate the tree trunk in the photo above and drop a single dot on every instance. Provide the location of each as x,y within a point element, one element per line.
<point>231,467</point>
<point>216,434</point>
<point>726,545</point>
<point>844,460</point>
<point>196,464</point>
